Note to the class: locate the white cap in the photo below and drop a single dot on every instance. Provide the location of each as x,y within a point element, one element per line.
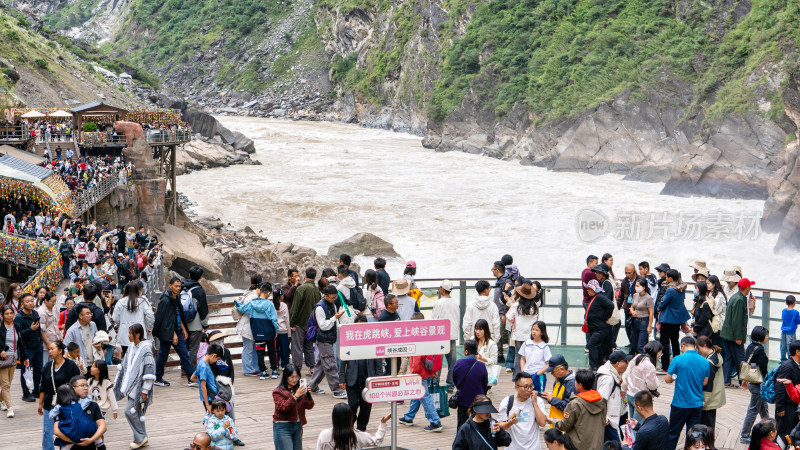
<point>447,285</point>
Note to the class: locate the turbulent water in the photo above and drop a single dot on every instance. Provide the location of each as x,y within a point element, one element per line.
<point>455,213</point>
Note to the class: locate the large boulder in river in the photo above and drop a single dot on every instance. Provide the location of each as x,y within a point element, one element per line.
<point>366,244</point>
<point>270,261</point>
<point>182,250</point>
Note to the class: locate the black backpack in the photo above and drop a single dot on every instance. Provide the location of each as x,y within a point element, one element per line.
<point>357,300</point>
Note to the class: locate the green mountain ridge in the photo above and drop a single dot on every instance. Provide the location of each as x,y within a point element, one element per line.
<point>40,68</point>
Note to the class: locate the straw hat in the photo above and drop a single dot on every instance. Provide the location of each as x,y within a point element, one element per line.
<point>700,272</point>
<point>730,276</point>
<point>401,286</point>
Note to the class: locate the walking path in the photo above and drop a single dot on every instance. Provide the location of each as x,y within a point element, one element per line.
<point>176,416</point>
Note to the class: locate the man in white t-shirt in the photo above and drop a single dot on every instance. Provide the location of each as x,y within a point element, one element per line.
<point>524,417</point>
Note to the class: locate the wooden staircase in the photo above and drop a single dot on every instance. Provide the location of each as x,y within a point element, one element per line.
<point>40,147</point>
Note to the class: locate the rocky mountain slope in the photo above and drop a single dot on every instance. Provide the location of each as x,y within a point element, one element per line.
<point>39,68</point>
<point>700,96</point>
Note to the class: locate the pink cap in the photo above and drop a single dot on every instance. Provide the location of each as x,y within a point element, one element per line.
<point>411,264</point>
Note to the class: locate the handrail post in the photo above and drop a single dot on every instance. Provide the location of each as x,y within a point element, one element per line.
<point>462,306</point>
<point>765,301</point>
<point>564,311</point>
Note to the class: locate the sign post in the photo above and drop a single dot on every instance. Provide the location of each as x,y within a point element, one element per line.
<point>373,340</point>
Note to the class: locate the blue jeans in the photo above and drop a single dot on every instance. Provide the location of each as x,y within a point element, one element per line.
<point>512,354</point>
<point>639,335</point>
<point>249,356</point>
<point>47,431</point>
<point>539,382</point>
<point>130,252</point>
<point>678,418</point>
<point>283,349</point>
<point>610,434</point>
<point>734,360</point>
<point>287,435</point>
<point>786,341</point>
<point>183,354</point>
<point>632,414</point>
<point>427,404</point>
<point>109,354</point>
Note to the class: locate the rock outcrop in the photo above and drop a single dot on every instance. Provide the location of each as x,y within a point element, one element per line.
<point>366,244</point>
<point>182,250</point>
<point>203,153</point>
<point>782,208</point>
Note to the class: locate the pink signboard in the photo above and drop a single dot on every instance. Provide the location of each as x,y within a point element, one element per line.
<point>400,338</point>
<point>393,389</point>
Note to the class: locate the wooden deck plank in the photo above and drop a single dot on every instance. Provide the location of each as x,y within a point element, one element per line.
<point>176,415</point>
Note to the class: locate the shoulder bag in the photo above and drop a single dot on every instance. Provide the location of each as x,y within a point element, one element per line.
<point>9,361</point>
<point>585,327</point>
<point>453,401</point>
<point>748,373</point>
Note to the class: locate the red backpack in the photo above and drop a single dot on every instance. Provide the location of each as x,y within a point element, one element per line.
<point>436,363</point>
<point>141,261</point>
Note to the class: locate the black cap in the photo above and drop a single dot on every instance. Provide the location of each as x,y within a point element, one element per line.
<point>484,407</point>
<point>663,267</point>
<point>555,361</point>
<point>619,355</point>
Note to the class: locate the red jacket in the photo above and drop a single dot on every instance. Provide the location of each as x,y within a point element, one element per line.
<point>417,365</point>
<point>287,409</point>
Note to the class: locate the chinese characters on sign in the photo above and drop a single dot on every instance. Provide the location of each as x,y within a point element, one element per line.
<point>393,389</point>
<point>401,338</point>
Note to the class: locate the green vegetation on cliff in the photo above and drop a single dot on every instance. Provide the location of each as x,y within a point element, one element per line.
<point>560,57</point>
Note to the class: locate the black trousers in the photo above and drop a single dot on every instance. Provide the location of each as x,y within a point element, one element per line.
<point>360,408</point>
<point>35,359</point>
<point>787,422</point>
<point>670,334</point>
<point>269,346</point>
<point>709,418</point>
<point>463,415</point>
<point>599,347</point>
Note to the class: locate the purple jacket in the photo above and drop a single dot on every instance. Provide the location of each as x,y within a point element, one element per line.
<point>472,385</point>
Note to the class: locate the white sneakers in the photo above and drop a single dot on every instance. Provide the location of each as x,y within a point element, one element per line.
<point>144,443</point>
<point>3,406</point>
<point>10,412</point>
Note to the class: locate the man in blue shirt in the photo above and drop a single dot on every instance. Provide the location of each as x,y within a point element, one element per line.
<point>690,373</point>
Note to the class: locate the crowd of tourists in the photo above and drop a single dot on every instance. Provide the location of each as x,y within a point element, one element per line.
<point>86,172</point>
<point>44,130</point>
<point>702,350</point>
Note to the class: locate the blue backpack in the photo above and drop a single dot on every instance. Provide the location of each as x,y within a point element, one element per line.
<point>768,387</point>
<point>311,332</point>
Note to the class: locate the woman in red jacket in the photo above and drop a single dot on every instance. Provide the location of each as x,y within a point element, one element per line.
<point>763,436</point>
<point>292,399</point>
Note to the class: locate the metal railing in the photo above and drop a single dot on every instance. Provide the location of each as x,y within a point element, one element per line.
<point>154,137</point>
<point>563,308</point>
<point>152,287</point>
<point>14,133</point>
<point>89,197</point>
<point>159,137</point>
